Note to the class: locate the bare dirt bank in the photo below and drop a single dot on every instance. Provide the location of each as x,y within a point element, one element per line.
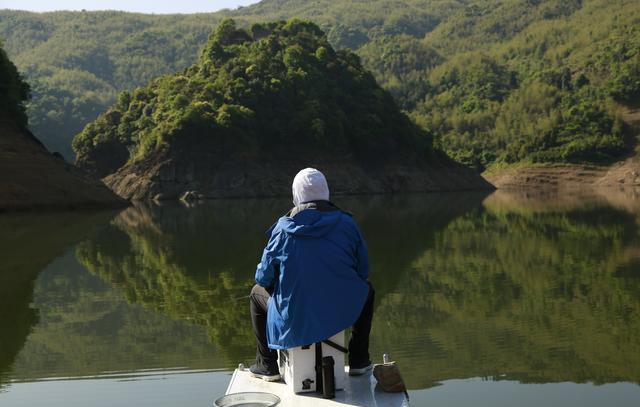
<point>32,178</point>
<point>623,174</point>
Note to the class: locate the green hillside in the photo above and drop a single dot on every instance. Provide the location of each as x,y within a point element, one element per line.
<point>77,63</point>
<point>492,80</point>
<point>278,89</point>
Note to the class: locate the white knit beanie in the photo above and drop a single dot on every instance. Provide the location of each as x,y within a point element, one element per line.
<point>309,185</point>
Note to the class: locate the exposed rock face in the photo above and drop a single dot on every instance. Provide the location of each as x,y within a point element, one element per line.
<point>32,178</point>
<point>205,176</point>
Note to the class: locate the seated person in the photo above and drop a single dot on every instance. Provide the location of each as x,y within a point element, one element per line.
<point>312,280</point>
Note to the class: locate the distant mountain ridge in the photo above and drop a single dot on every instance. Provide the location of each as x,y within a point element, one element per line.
<point>495,81</point>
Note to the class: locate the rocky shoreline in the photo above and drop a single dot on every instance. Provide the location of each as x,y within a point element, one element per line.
<point>166,177</point>
<point>625,174</point>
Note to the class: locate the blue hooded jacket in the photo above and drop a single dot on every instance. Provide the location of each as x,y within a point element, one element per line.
<point>317,264</point>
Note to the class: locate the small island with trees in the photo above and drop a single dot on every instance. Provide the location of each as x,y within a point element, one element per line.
<point>257,106</point>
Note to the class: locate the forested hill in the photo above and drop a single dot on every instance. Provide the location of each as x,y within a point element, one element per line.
<point>257,106</point>
<point>492,80</point>
<point>77,62</point>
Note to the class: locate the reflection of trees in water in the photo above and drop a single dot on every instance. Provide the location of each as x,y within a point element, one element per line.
<point>191,264</point>
<point>518,288</point>
<point>195,264</point>
<point>86,327</point>
<point>522,288</point>
<point>28,242</point>
<point>16,317</point>
<point>520,292</point>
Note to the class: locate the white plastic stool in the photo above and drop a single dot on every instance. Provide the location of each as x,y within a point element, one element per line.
<point>298,365</point>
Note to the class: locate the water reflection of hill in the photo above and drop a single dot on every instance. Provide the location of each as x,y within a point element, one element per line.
<point>86,327</point>
<point>28,242</point>
<point>521,289</point>
<point>196,264</point>
<point>553,200</point>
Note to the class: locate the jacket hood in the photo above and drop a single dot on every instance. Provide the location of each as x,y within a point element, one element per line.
<point>309,223</point>
<point>309,185</point>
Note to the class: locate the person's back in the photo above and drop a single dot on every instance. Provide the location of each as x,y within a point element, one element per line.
<point>315,267</point>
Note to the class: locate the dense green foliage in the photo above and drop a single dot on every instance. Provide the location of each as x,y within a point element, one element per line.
<point>540,93</point>
<point>77,63</point>
<point>353,23</point>
<point>492,80</point>
<point>497,80</point>
<point>278,88</point>
<point>13,92</point>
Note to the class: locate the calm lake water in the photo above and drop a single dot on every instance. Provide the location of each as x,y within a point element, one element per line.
<point>499,300</point>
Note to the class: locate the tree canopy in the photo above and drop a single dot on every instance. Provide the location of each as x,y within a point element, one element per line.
<point>277,88</point>
<point>494,81</point>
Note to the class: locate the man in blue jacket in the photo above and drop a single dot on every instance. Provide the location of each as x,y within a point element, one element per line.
<point>312,280</point>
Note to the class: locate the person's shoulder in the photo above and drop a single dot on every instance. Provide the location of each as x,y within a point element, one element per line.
<point>278,226</point>
<point>347,214</point>
<point>348,221</point>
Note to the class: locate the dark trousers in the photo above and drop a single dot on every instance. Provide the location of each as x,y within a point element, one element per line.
<point>358,343</point>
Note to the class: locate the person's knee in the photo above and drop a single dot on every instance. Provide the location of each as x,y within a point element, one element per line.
<point>259,297</point>
<point>256,290</point>
<point>254,295</point>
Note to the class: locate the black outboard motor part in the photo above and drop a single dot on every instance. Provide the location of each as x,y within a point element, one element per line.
<point>328,378</point>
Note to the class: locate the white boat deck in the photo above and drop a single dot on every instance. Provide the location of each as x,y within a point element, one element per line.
<point>359,391</point>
